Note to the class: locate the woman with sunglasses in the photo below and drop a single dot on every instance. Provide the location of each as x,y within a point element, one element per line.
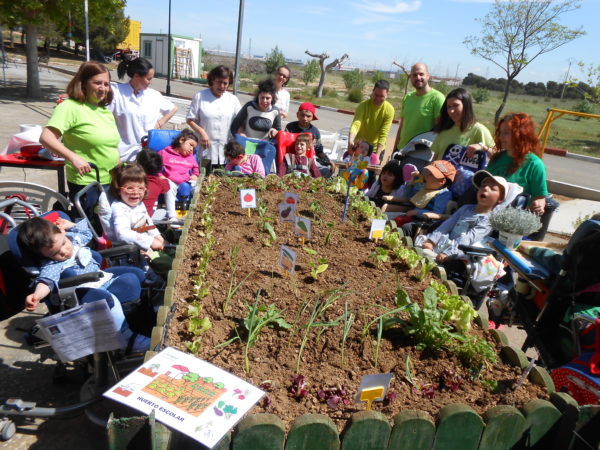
<point>282,77</point>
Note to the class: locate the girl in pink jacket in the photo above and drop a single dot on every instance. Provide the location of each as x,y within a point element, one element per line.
<point>181,169</point>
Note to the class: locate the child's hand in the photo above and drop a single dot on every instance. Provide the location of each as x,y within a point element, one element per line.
<point>31,302</point>
<point>193,177</point>
<point>64,224</point>
<point>387,198</point>
<point>273,132</point>
<point>157,243</point>
<point>441,257</point>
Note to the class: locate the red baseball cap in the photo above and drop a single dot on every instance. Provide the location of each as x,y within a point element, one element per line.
<point>307,106</point>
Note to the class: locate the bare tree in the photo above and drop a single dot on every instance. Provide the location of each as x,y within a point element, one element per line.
<point>406,71</point>
<point>324,68</point>
<point>516,32</point>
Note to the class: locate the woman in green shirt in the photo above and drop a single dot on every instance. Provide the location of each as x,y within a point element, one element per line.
<point>458,125</point>
<point>87,128</point>
<point>516,157</point>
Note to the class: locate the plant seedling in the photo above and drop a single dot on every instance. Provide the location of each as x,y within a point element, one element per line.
<point>318,267</point>
<point>298,387</point>
<point>335,397</point>
<point>380,255</point>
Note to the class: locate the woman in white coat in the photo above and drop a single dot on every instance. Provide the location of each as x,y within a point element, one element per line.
<point>210,116</point>
<point>136,107</point>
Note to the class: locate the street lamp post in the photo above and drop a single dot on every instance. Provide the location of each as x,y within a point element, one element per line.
<point>169,54</point>
<point>87,30</point>
<point>238,48</point>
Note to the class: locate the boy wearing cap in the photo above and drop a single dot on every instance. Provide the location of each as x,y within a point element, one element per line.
<point>470,223</point>
<point>306,114</point>
<point>427,199</point>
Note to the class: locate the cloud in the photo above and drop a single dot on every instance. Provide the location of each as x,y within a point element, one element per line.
<point>394,8</point>
<point>370,36</point>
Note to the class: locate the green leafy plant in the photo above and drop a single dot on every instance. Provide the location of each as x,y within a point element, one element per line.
<point>318,267</point>
<point>380,255</point>
<point>348,321</point>
<point>259,317</point>
<point>391,239</point>
<point>427,266</point>
<point>197,326</point>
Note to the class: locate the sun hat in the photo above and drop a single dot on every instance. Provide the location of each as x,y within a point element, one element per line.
<point>441,169</point>
<point>481,175</point>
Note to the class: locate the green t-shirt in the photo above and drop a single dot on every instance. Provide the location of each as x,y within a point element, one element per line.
<point>90,132</point>
<point>419,113</point>
<point>474,135</point>
<point>531,175</point>
<point>372,123</point>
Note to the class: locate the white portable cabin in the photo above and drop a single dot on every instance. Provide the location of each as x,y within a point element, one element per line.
<point>186,54</point>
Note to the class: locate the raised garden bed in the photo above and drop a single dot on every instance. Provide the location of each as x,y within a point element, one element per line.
<point>362,305</point>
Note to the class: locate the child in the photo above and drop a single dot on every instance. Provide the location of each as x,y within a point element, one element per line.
<point>306,114</point>
<point>470,223</point>
<point>61,247</point>
<point>389,183</point>
<point>152,164</point>
<point>427,199</point>
<point>180,167</point>
<point>130,221</point>
<point>364,149</point>
<point>240,162</point>
<point>298,162</point>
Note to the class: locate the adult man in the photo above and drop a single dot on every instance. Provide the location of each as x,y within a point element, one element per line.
<point>373,119</point>
<point>420,109</point>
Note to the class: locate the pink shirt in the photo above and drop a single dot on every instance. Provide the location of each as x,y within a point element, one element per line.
<point>176,167</point>
<point>253,164</point>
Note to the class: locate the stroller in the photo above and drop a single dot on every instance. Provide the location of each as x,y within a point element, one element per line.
<point>417,151</point>
<point>558,308</point>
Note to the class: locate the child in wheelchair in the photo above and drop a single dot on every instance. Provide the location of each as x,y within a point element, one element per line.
<point>62,253</point>
<point>469,224</point>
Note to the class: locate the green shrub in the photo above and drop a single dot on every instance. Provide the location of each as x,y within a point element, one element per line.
<point>378,75</point>
<point>354,79</point>
<point>481,95</point>
<point>355,95</point>
<point>584,106</point>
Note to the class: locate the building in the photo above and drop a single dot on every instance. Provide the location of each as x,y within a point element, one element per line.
<point>186,54</point>
<point>132,41</point>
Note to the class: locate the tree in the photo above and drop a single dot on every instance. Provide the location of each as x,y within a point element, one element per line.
<point>311,71</point>
<point>31,14</point>
<point>354,79</point>
<point>592,75</point>
<point>377,75</point>
<point>325,68</point>
<point>481,95</point>
<point>274,60</point>
<point>515,32</point>
<point>405,75</point>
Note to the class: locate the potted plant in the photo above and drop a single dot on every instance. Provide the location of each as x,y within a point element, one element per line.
<point>512,224</point>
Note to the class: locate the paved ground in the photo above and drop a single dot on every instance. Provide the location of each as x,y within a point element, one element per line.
<point>27,374</point>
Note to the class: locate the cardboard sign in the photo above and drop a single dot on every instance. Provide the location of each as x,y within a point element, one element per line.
<point>291,199</point>
<point>248,198</point>
<point>187,394</point>
<point>371,384</point>
<point>377,229</point>
<point>287,212</point>
<point>287,258</point>
<point>303,227</point>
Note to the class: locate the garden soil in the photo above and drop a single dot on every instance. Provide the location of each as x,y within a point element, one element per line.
<point>357,282</point>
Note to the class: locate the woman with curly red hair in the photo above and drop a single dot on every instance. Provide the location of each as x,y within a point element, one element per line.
<point>516,157</point>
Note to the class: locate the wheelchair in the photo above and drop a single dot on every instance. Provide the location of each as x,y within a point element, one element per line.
<point>103,368</point>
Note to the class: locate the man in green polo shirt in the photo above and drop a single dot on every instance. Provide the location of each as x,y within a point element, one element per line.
<point>420,108</point>
<point>373,119</point>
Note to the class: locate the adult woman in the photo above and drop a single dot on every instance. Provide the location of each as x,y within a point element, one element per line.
<point>458,124</point>
<point>88,130</point>
<point>258,118</point>
<point>516,158</point>
<point>211,113</point>
<point>136,107</point>
<point>282,76</point>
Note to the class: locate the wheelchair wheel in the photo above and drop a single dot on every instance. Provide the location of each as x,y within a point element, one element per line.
<point>8,429</point>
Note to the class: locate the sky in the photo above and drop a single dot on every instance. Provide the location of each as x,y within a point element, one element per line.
<point>375,33</point>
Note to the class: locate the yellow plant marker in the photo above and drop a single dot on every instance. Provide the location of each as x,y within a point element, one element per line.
<point>249,211</point>
<point>369,395</point>
<point>302,240</point>
<point>377,234</point>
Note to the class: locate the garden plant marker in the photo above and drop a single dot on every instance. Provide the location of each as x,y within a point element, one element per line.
<point>357,175</point>
<point>371,394</point>
<point>526,372</point>
<point>248,199</point>
<point>377,229</point>
<point>287,259</point>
